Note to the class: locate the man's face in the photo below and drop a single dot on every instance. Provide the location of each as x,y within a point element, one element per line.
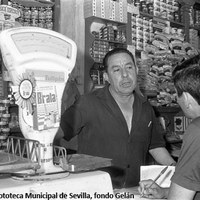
<point>121,74</point>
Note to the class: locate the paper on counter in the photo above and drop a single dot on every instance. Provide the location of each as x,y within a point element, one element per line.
<point>152,171</point>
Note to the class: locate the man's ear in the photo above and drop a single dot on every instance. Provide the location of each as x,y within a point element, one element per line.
<point>189,100</point>
<point>105,76</point>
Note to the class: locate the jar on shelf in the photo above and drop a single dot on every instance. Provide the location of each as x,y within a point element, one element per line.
<point>34,22</point>
<point>14,122</point>
<point>34,13</point>
<point>49,24</point>
<point>41,13</point>
<point>49,13</point>
<point>27,13</point>
<point>41,23</point>
<point>27,22</point>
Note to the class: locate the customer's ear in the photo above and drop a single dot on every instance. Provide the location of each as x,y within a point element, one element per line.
<point>189,100</point>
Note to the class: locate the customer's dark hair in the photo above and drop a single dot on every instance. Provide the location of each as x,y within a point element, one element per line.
<point>115,51</point>
<point>186,77</point>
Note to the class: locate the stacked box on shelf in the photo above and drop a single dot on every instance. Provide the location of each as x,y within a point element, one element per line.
<point>92,8</point>
<point>108,9</point>
<point>147,31</point>
<point>112,10</point>
<point>196,16</point>
<point>1,86</point>
<point>160,24</point>
<point>106,38</point>
<point>121,11</point>
<point>99,49</point>
<point>146,81</point>
<point>107,32</point>
<point>139,32</point>
<point>4,123</point>
<point>169,9</point>
<point>96,73</point>
<point>142,31</point>
<point>133,29</point>
<point>194,38</point>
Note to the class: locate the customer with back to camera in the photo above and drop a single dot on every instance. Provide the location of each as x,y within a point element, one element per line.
<point>185,183</point>
<point>116,122</point>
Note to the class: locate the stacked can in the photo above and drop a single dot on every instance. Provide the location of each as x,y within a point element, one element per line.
<point>35,16</point>
<point>4,123</point>
<point>133,25</point>
<point>170,9</point>
<point>139,32</point>
<point>96,73</point>
<point>197,17</point>
<point>107,32</point>
<point>99,50</point>
<point>146,33</point>
<point>142,31</point>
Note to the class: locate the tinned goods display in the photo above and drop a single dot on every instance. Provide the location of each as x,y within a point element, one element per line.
<point>107,9</point>
<point>4,123</point>
<point>106,37</point>
<point>168,9</point>
<point>38,16</point>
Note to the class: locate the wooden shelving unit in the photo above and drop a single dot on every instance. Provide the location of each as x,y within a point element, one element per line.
<point>90,39</point>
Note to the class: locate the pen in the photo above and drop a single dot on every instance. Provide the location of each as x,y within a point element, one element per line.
<point>149,124</point>
<point>159,175</point>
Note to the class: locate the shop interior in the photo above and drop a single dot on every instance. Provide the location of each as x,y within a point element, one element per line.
<point>159,33</point>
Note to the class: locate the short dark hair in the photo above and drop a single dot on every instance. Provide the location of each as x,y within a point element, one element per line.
<point>193,60</point>
<point>186,77</point>
<point>115,51</point>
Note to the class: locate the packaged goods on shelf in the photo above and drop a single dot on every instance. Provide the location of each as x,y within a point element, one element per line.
<point>108,9</point>
<point>194,38</point>
<point>34,14</point>
<point>106,37</point>
<point>168,9</point>
<point>4,122</point>
<point>8,17</point>
<point>165,51</point>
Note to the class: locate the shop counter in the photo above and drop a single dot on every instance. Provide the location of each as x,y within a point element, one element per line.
<point>87,185</point>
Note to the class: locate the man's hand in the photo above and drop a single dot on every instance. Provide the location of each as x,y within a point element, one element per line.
<point>154,192</point>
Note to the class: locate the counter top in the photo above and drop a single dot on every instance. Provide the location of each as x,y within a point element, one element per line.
<point>73,186</point>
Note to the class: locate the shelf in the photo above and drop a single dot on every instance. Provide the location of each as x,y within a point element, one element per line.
<point>195,27</point>
<point>110,41</point>
<point>103,20</point>
<point>96,45</point>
